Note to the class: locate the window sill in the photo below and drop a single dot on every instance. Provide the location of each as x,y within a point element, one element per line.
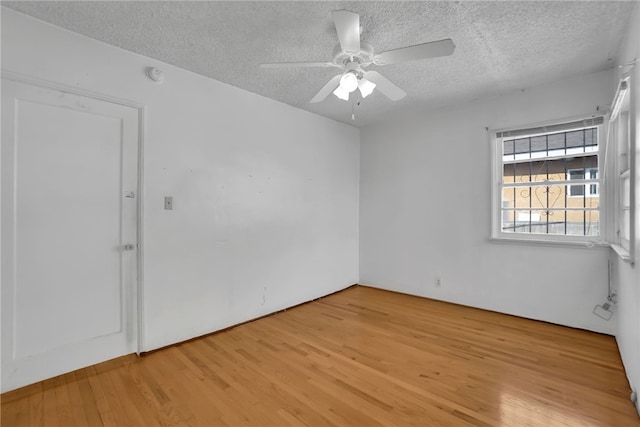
<point>623,253</point>
<point>548,242</point>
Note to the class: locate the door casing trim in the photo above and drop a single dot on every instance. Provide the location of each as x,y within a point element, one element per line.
<point>47,84</point>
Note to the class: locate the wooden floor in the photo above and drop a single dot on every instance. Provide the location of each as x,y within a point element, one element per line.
<point>361,357</point>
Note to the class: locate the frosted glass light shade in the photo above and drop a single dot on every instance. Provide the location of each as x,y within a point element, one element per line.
<point>349,81</point>
<point>366,87</point>
<point>341,93</point>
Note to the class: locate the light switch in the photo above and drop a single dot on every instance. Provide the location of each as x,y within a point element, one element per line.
<point>168,203</point>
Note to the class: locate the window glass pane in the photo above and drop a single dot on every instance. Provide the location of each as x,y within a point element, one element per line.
<point>576,174</point>
<point>521,145</point>
<point>508,173</point>
<point>517,220</point>
<point>551,170</point>
<point>508,223</point>
<point>626,192</point>
<point>624,226</point>
<point>522,197</point>
<point>539,196</point>
<point>576,190</point>
<point>583,223</point>
<point>539,221</point>
<point>556,144</point>
<point>556,196</point>
<point>548,204</point>
<point>523,221</point>
<point>575,139</point>
<point>578,199</point>
<point>588,162</point>
<point>583,195</point>
<point>543,197</point>
<point>508,197</point>
<point>507,228</point>
<point>539,144</point>
<point>548,196</point>
<point>557,222</point>
<point>592,223</point>
<point>547,170</point>
<point>507,147</point>
<point>590,137</point>
<point>622,135</point>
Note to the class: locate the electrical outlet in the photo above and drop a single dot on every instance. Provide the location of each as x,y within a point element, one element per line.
<point>168,203</point>
<point>438,282</point>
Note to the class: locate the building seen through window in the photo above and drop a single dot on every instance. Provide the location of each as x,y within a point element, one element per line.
<point>550,183</point>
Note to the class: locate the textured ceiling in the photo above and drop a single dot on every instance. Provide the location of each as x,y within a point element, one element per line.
<point>500,46</point>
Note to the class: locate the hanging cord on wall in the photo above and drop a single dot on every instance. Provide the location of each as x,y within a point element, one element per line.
<point>605,311</point>
<point>612,297</point>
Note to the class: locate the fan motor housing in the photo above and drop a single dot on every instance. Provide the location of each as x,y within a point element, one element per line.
<point>363,58</point>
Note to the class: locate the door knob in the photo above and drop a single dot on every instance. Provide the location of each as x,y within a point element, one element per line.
<point>129,247</point>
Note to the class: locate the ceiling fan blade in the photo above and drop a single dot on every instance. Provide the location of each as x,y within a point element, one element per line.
<point>298,65</point>
<point>411,53</point>
<point>385,86</point>
<point>348,28</point>
<point>326,90</point>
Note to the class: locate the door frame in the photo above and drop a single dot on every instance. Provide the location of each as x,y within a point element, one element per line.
<point>139,287</point>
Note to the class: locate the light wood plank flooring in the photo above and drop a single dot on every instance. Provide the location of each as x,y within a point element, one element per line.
<point>361,357</point>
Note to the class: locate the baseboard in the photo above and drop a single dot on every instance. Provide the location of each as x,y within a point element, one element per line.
<point>143,353</point>
<point>477,307</point>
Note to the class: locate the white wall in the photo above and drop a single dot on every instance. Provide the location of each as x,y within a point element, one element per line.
<point>626,276</point>
<point>266,198</point>
<point>265,195</point>
<point>425,211</point>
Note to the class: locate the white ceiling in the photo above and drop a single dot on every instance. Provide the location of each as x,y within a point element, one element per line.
<point>500,45</point>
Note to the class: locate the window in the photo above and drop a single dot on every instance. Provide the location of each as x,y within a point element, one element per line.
<point>548,182</point>
<point>621,147</point>
<point>579,174</point>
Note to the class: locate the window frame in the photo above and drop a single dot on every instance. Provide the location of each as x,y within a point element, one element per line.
<point>496,137</point>
<point>622,171</point>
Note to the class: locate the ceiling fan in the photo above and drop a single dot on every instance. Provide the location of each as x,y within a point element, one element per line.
<point>354,56</point>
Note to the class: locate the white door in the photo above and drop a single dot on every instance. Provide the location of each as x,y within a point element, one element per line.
<point>69,232</point>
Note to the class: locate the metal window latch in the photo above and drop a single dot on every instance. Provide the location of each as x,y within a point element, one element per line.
<point>129,247</point>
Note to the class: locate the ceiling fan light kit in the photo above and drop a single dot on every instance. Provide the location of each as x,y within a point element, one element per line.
<point>341,93</point>
<point>366,87</point>
<point>349,81</point>
<point>354,56</point>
